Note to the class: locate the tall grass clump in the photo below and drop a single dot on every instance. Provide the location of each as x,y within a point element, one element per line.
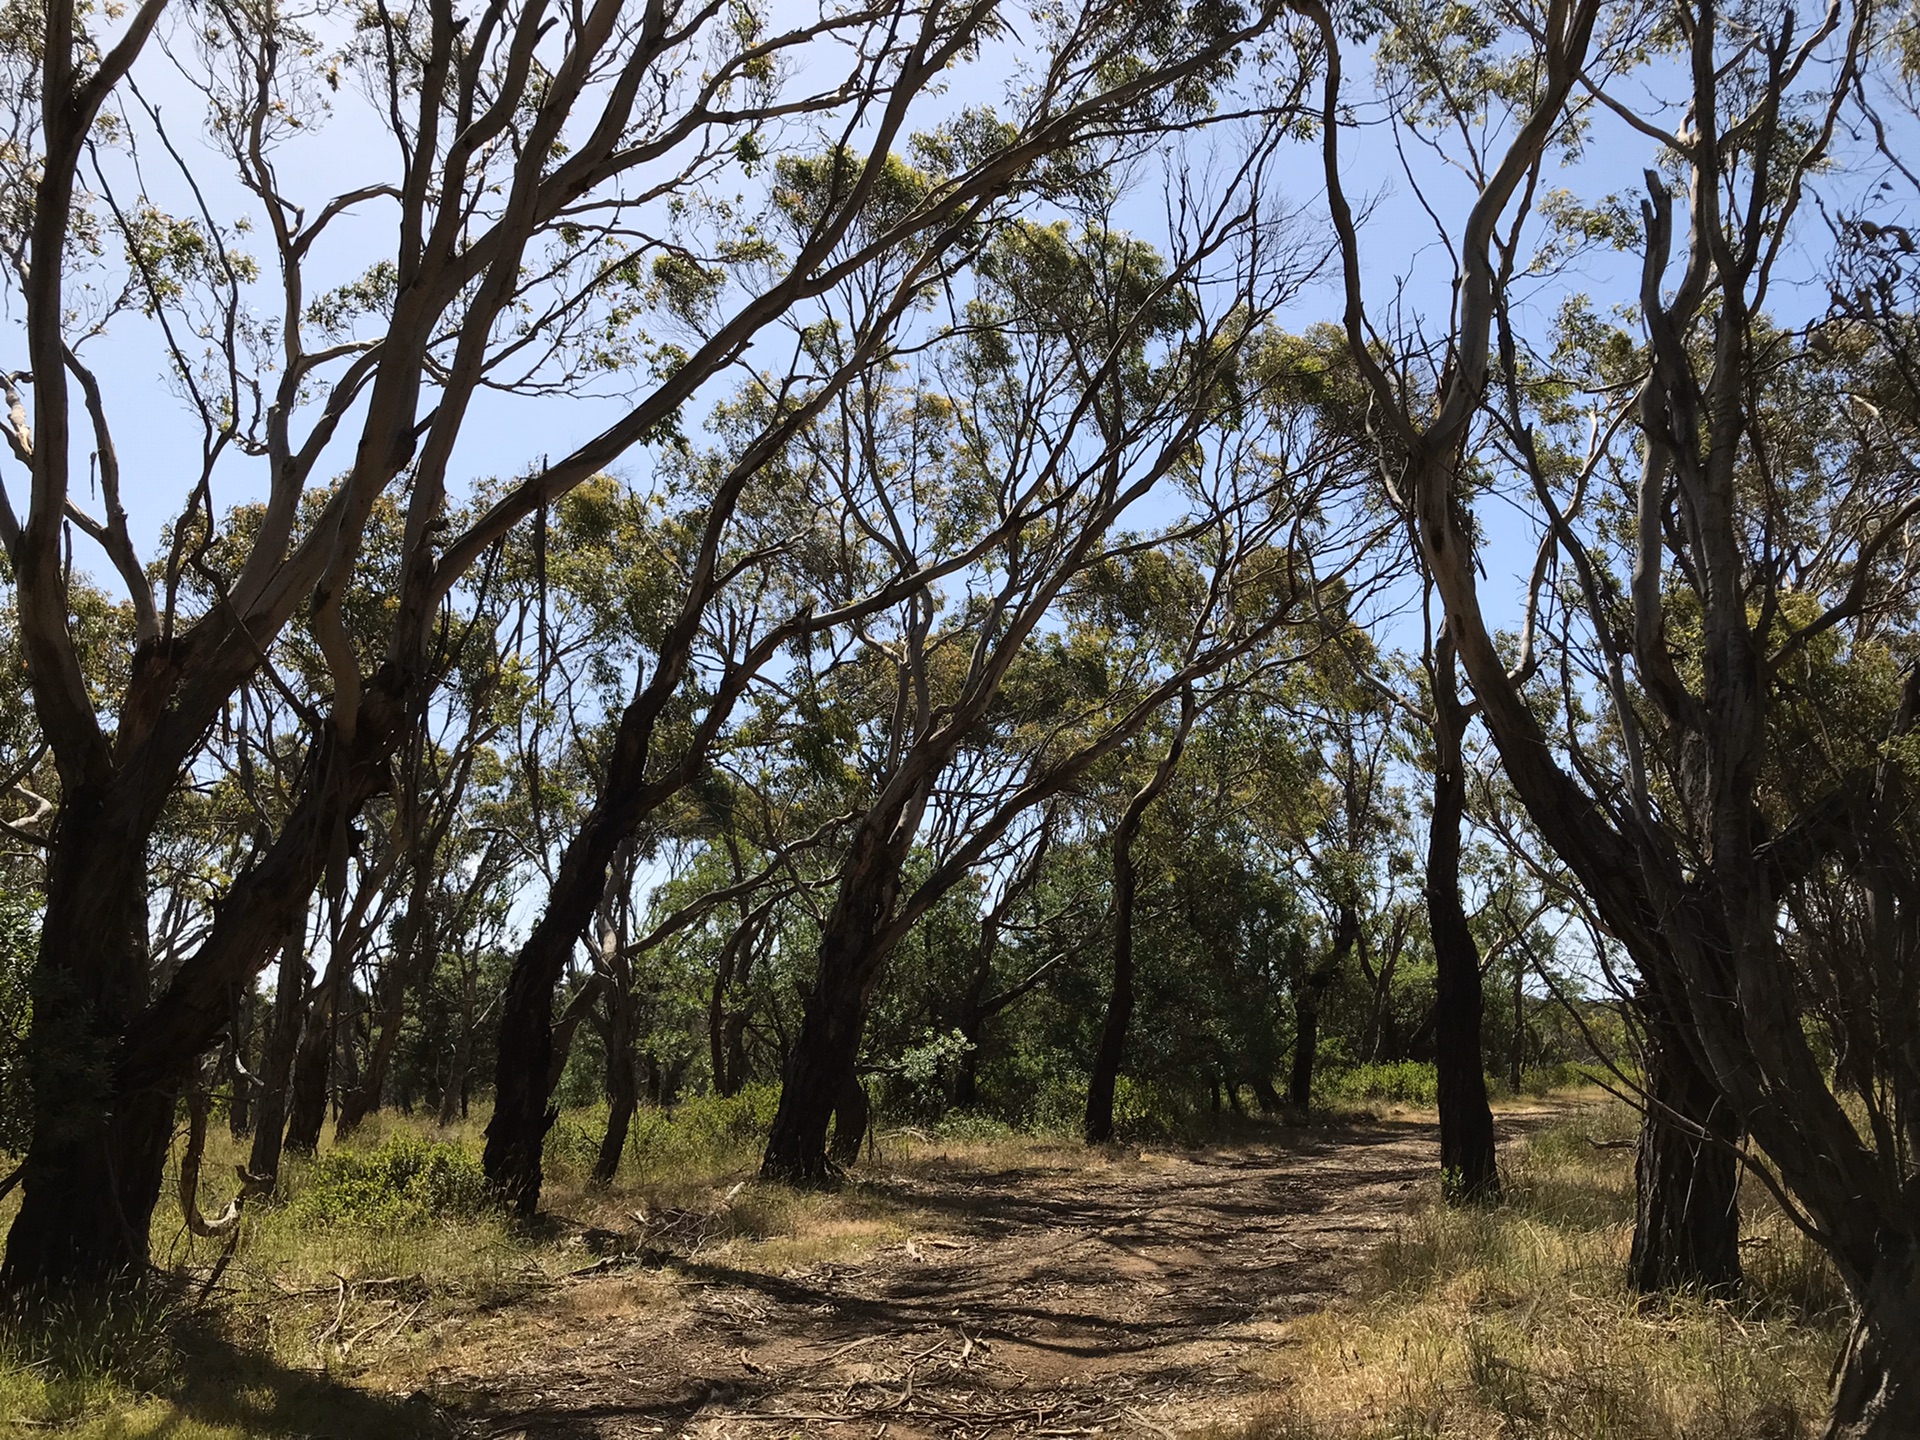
<point>1416,1083</point>
<point>1398,1082</point>
<point>1516,1321</point>
<point>63,1362</point>
<point>401,1205</point>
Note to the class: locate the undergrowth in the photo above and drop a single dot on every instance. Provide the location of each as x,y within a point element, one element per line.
<point>1415,1083</point>
<point>382,1261</point>
<point>1515,1321</point>
<point>381,1256</point>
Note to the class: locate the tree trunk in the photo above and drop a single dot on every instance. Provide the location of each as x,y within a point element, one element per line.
<point>623,1089</point>
<point>1381,1040</point>
<point>93,1167</point>
<point>416,949</point>
<point>1518,1060</point>
<point>1306,1044</point>
<point>718,1016</point>
<point>826,1053</point>
<point>240,1082</point>
<point>312,1063</point>
<point>276,1065</point>
<point>726,1025</point>
<point>975,1008</point>
<point>1113,1031</point>
<point>1686,1230</point>
<point>820,1065</point>
<point>109,1057</point>
<point>852,1114</point>
<point>736,1052</point>
<point>1876,1393</point>
<point>1306,1008</point>
<point>1467,1169</point>
<point>453,1098</point>
<point>522,1114</point>
<point>973,1014</point>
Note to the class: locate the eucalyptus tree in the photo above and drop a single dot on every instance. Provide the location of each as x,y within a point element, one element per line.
<point>1715,536</point>
<point>1095,372</point>
<point>542,180</point>
<point>1098,1126</point>
<point>889,238</point>
<point>1468,1166</point>
<point>1151,592</point>
<point>1426,401</point>
<point>1237,921</point>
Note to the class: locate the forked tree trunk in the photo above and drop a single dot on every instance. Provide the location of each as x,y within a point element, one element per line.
<point>826,1052</point>
<point>1686,1230</point>
<point>1467,1169</point>
<point>1126,880</point>
<point>522,1109</point>
<point>276,1066</point>
<point>1876,1393</point>
<point>1306,1008</point>
<point>312,1063</point>
<point>820,1067</point>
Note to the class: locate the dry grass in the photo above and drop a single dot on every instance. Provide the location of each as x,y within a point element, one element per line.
<point>1516,1322</point>
<point>348,1295</point>
<point>342,1302</point>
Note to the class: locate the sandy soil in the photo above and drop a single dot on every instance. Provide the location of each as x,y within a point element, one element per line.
<point>1048,1297</point>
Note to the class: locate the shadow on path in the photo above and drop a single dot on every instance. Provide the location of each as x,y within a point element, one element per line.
<point>1122,1296</point>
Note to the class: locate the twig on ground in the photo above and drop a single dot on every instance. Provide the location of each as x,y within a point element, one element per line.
<point>339,1315</point>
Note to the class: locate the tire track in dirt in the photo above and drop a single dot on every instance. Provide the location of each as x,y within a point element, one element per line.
<point>1049,1298</point>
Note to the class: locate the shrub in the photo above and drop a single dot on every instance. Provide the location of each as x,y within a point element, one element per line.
<point>707,1133</point>
<point>19,939</point>
<point>405,1181</point>
<point>710,1130</point>
<point>1399,1082</point>
<point>1144,1109</point>
<point>971,1126</point>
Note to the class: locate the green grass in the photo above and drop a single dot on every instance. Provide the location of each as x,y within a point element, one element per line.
<point>1516,1321</point>
<point>1413,1083</point>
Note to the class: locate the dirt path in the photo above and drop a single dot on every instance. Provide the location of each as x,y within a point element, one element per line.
<point>1044,1299</point>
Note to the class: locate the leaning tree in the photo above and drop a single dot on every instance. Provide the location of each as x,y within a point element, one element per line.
<point>537,199</point>
<point>1724,540</point>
